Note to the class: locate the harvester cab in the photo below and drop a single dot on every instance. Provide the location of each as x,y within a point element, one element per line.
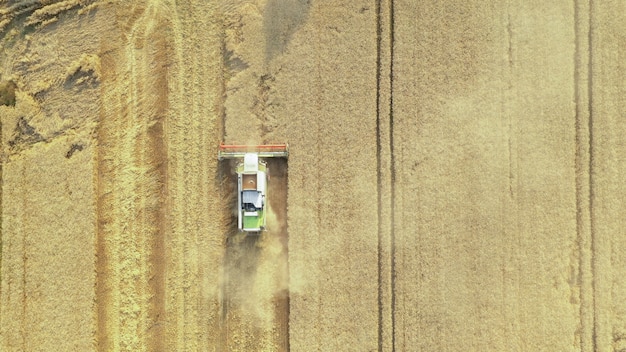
<point>252,176</point>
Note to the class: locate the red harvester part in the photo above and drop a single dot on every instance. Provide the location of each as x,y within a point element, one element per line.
<point>235,151</point>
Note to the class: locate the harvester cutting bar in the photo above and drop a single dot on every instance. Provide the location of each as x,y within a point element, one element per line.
<point>235,151</point>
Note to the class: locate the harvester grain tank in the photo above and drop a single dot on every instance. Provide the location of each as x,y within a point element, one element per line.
<point>252,179</point>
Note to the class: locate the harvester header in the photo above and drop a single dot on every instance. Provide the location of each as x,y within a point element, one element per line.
<point>238,151</point>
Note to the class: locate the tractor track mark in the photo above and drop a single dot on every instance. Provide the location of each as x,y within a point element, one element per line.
<point>195,244</point>
<point>131,177</point>
<point>379,201</point>
<point>379,176</point>
<point>104,167</point>
<point>157,145</point>
<point>383,174</point>
<point>392,169</point>
<point>583,165</point>
<point>595,266</point>
<point>278,198</point>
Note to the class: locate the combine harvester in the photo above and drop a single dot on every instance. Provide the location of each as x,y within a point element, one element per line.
<point>252,177</point>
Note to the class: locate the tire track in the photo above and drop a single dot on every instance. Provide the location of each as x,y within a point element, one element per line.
<point>106,278</point>
<point>379,176</point>
<point>383,163</point>
<point>131,186</point>
<point>392,176</point>
<point>278,184</point>
<point>595,344</point>
<point>583,165</point>
<point>196,213</point>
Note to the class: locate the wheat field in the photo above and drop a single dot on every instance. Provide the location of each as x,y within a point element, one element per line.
<point>454,181</point>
